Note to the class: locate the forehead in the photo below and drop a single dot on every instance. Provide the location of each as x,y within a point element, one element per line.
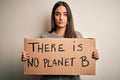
<point>61,9</point>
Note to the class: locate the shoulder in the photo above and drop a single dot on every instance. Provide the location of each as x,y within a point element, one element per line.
<point>79,35</point>
<point>44,35</point>
<point>47,35</point>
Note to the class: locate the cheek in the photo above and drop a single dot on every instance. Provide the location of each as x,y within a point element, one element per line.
<point>66,20</point>
<point>56,18</point>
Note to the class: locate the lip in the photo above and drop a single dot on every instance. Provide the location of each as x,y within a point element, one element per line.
<point>61,22</point>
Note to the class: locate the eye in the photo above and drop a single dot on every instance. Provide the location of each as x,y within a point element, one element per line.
<point>57,14</point>
<point>65,14</point>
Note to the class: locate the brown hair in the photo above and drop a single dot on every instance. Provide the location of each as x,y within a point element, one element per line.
<point>70,32</point>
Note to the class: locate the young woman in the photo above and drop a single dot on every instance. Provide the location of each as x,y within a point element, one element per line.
<point>61,27</point>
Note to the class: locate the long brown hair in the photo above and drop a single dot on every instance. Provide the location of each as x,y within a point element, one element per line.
<point>70,32</point>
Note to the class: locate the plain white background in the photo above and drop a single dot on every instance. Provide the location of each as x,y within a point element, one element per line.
<point>98,19</point>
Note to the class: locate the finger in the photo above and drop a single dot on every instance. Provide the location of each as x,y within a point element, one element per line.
<point>27,57</point>
<point>95,52</point>
<point>24,53</point>
<point>96,57</point>
<point>24,58</point>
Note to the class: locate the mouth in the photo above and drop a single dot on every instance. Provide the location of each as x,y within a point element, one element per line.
<point>61,22</point>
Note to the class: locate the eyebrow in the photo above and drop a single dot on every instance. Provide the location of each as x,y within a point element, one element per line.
<point>60,12</point>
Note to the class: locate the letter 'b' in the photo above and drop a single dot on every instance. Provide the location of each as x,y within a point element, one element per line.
<point>85,62</point>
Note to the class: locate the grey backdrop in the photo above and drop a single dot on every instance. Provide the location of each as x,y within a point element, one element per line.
<point>98,19</point>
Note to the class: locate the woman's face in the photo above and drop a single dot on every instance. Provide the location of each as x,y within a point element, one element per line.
<point>61,17</point>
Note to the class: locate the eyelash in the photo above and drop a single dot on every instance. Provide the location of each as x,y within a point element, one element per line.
<point>59,14</point>
<point>65,14</point>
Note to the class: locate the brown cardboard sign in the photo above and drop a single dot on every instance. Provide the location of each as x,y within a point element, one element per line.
<point>59,56</point>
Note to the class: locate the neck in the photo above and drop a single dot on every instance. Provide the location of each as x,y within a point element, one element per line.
<point>59,31</point>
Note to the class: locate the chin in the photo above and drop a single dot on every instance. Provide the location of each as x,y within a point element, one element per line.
<point>61,26</point>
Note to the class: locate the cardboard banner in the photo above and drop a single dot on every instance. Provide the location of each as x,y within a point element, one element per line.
<point>59,56</point>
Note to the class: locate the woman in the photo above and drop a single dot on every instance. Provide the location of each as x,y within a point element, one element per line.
<point>61,27</point>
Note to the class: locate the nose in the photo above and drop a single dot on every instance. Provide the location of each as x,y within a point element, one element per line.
<point>61,17</point>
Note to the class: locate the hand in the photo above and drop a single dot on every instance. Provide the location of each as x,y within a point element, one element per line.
<point>95,55</point>
<point>24,56</point>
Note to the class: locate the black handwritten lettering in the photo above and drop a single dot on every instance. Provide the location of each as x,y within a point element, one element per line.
<point>46,63</point>
<point>73,45</point>
<point>80,47</point>
<point>55,62</point>
<point>85,62</point>
<point>77,47</point>
<point>30,63</point>
<point>33,63</point>
<point>61,48</point>
<point>72,60</point>
<point>46,47</point>
<point>40,48</point>
<point>53,48</point>
<point>36,62</point>
<point>67,62</point>
<point>33,45</point>
<point>58,62</point>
